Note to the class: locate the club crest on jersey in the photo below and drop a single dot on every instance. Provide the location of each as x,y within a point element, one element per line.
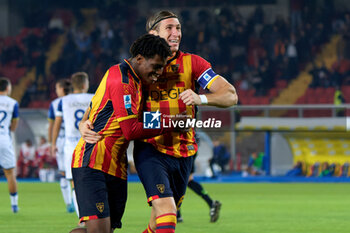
<point>100,206</point>
<point>127,101</point>
<point>151,120</point>
<point>175,68</point>
<point>161,188</point>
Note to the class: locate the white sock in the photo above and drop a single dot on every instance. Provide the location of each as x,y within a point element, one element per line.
<point>75,202</point>
<point>66,190</point>
<point>14,198</point>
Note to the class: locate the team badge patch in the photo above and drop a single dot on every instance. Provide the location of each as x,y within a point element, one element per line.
<point>161,188</point>
<point>127,101</point>
<point>100,206</point>
<point>175,68</point>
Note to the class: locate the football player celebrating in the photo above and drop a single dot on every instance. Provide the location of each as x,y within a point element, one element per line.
<point>100,168</point>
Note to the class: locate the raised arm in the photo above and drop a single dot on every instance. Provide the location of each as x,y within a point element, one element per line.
<point>222,94</point>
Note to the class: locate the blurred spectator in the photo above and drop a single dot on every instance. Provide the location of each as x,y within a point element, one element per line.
<point>221,156</point>
<point>256,164</point>
<point>297,170</point>
<point>45,161</point>
<point>234,41</point>
<point>292,55</point>
<point>338,100</point>
<point>320,76</point>
<point>314,170</point>
<point>344,170</point>
<point>340,69</point>
<point>56,24</point>
<point>10,52</point>
<point>303,47</point>
<point>26,161</point>
<point>296,7</point>
<point>327,170</point>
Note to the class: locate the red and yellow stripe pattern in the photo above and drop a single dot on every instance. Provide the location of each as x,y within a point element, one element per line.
<point>108,108</point>
<point>181,73</point>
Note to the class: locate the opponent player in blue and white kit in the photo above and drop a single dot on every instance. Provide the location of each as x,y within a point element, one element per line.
<point>63,88</point>
<point>8,124</point>
<point>71,109</point>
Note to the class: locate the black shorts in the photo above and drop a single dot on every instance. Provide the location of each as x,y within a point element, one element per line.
<point>193,169</point>
<point>99,195</point>
<point>161,175</point>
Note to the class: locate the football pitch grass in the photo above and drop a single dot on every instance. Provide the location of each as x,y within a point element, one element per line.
<point>247,208</point>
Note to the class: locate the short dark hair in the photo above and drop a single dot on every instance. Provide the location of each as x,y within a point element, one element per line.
<point>150,45</point>
<point>4,83</point>
<point>78,80</point>
<point>66,84</point>
<point>153,21</point>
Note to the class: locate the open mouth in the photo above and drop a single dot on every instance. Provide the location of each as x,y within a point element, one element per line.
<point>154,77</point>
<point>173,41</point>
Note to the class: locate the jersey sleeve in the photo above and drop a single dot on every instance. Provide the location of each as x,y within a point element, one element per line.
<point>202,72</point>
<point>15,113</point>
<point>51,113</point>
<point>123,98</point>
<point>59,112</point>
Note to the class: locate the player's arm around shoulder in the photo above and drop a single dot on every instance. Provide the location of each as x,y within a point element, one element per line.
<point>222,94</point>
<point>86,129</point>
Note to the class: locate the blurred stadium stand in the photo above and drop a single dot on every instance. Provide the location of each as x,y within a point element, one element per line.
<point>265,50</point>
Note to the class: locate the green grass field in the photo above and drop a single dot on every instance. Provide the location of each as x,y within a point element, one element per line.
<point>247,208</point>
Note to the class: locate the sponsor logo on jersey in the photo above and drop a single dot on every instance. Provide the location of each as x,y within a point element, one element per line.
<point>172,93</point>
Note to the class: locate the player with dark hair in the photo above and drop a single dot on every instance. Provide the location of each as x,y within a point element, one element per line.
<point>164,162</point>
<point>63,87</point>
<point>8,124</point>
<point>100,169</point>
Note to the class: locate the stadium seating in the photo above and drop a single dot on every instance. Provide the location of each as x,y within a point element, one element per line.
<point>311,148</point>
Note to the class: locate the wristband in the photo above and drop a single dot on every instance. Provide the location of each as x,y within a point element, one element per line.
<point>204,99</point>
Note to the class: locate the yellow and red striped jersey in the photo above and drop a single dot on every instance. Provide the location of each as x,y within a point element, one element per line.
<point>117,98</point>
<point>183,71</point>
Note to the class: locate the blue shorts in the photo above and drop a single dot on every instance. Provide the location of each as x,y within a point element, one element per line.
<point>99,195</point>
<point>161,175</point>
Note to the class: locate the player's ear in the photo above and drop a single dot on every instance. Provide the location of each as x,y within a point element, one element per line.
<point>9,89</point>
<point>153,32</point>
<point>139,58</point>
